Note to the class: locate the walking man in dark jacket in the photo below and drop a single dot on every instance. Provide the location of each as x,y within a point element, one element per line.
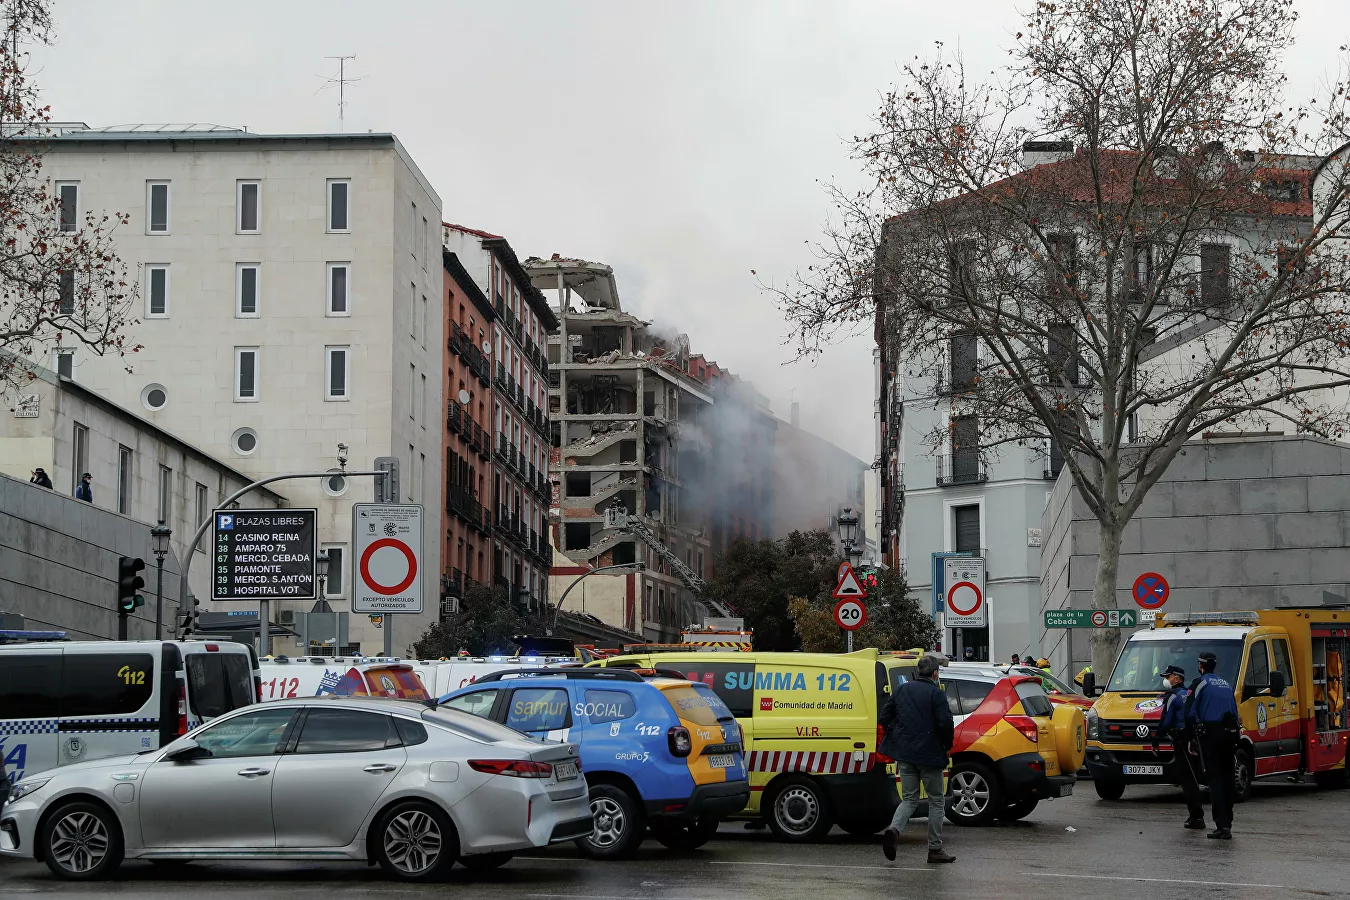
<point>1173,727</point>
<point>84,491</point>
<point>918,725</point>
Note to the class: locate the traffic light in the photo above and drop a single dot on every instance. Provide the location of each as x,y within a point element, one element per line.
<point>869,577</point>
<point>129,585</point>
<point>188,616</point>
<point>386,485</point>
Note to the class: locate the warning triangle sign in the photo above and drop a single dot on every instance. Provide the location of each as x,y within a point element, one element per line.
<point>848,586</point>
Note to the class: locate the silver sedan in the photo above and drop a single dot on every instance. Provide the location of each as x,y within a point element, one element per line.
<point>412,788</point>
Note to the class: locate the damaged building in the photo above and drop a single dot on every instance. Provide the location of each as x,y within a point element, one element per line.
<point>635,425</point>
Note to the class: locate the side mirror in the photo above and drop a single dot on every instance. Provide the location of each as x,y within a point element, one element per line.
<point>187,751</point>
<point>1090,684</point>
<point>1277,685</point>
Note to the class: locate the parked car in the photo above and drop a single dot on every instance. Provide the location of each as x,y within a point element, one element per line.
<point>658,751</point>
<point>1058,691</point>
<point>389,781</point>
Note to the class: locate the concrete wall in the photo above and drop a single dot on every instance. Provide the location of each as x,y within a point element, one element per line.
<point>58,564</point>
<point>1251,523</point>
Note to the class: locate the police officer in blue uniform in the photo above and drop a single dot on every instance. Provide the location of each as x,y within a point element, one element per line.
<point>1212,713</point>
<point>1173,727</point>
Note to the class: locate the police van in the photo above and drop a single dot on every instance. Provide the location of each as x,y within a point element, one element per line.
<point>62,702</point>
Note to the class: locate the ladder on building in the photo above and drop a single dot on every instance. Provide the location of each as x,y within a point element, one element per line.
<point>617,517</point>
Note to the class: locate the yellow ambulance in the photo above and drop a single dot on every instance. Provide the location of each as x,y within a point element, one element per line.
<point>809,724</point>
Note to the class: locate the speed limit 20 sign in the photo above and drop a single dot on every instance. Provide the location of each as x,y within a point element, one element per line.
<point>850,614</point>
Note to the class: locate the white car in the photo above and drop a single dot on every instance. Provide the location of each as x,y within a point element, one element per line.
<point>395,782</point>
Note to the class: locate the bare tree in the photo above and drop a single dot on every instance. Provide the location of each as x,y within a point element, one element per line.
<point>1178,263</point>
<point>62,284</point>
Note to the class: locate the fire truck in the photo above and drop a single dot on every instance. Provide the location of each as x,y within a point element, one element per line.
<point>1288,670</point>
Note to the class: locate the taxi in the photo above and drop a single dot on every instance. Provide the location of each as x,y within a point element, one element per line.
<point>656,752</point>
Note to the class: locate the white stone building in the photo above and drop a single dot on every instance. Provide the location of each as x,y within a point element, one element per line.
<point>291,300</point>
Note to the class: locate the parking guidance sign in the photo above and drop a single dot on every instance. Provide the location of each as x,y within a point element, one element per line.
<point>263,554</point>
<point>387,551</point>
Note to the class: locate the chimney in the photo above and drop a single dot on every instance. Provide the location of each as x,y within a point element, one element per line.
<point>1035,153</point>
<point>796,414</point>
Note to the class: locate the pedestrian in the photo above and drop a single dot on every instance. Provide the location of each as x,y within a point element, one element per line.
<point>1173,727</point>
<point>1043,664</point>
<point>40,478</point>
<point>918,724</point>
<point>84,491</point>
<point>1028,661</point>
<point>1212,713</point>
<point>1015,660</point>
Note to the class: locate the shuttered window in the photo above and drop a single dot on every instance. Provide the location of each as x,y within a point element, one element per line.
<point>967,530</point>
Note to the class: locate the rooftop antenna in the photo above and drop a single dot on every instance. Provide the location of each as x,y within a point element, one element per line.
<point>341,81</point>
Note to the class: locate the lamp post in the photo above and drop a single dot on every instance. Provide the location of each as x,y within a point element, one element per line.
<point>159,543</point>
<point>633,567</point>
<point>321,570</point>
<point>848,533</point>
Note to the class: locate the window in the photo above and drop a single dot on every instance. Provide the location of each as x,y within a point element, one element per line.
<point>1063,353</point>
<point>157,292</point>
<point>165,494</point>
<point>412,310</point>
<point>257,733</point>
<point>538,709</point>
<point>423,239</point>
<point>335,586</point>
<point>101,684</point>
<point>478,703</point>
<point>246,290</point>
<point>1284,191</point>
<point>1063,274</point>
<point>245,374</point>
<point>30,685</point>
<point>965,449</point>
<point>1215,260</point>
<point>339,201</point>
<point>1034,700</point>
<point>154,397</point>
<point>157,202</point>
<point>966,529</point>
<point>1138,272</point>
<point>419,470</point>
<point>124,480</point>
<point>412,391</point>
<point>423,323</point>
<point>244,441</point>
<point>1281,648</point>
<point>68,206</point>
<point>65,364</point>
<point>218,683</point>
<point>248,201</point>
<point>1258,666</point>
<point>416,237</point>
<point>65,292</point>
<point>412,455</point>
<point>339,283</point>
<point>336,367</point>
<point>972,694</point>
<point>202,510</point>
<point>422,400</point>
<point>410,733</point>
<point>79,457</point>
<point>964,361</point>
<point>961,270</point>
<point>345,731</point>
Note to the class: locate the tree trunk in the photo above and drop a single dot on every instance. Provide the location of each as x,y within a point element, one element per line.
<point>1106,641</point>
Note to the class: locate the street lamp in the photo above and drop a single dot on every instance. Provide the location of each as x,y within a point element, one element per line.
<point>159,544</point>
<point>848,532</point>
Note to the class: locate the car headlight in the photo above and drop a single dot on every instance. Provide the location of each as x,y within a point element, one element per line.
<point>24,788</point>
<point>1093,728</point>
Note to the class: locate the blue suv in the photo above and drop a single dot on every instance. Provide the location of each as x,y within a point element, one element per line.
<point>657,752</point>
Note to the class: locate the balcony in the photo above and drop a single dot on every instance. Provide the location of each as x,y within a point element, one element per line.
<point>961,468</point>
<point>452,583</point>
<point>461,502</point>
<point>453,417</point>
<point>501,445</point>
<point>501,375</point>
<point>520,464</point>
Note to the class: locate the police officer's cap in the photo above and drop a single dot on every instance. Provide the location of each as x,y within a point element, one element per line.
<point>1207,656</point>
<point>1174,670</point>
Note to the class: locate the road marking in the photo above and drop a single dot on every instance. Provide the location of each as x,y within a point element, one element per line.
<point>728,862</point>
<point>1154,880</point>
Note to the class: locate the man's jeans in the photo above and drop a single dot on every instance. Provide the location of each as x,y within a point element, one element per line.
<point>911,776</point>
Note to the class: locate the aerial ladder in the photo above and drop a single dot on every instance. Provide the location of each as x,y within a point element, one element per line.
<point>617,517</point>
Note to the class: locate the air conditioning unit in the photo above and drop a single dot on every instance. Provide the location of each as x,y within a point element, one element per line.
<point>450,606</point>
<point>286,617</point>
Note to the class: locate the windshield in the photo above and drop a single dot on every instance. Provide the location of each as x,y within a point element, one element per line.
<point>1141,665</point>
<point>1051,684</point>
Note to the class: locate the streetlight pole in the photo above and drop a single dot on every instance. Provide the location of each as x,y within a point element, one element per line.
<point>636,567</point>
<point>848,535</point>
<point>159,540</point>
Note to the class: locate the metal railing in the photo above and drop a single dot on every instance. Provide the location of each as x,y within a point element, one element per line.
<point>962,467</point>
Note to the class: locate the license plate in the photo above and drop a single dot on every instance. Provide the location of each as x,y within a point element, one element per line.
<point>565,771</point>
<point>722,760</point>
<point>1066,790</point>
<point>1143,770</point>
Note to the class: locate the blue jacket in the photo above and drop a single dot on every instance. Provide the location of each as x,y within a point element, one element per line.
<point>84,492</point>
<point>1174,710</point>
<point>918,724</point>
<point>1212,699</point>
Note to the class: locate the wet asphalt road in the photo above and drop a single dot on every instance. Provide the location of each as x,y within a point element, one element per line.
<point>1290,840</point>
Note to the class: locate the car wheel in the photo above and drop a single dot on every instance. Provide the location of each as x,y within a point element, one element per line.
<point>486,862</point>
<point>799,811</point>
<point>618,823</point>
<point>975,796</point>
<point>81,842</point>
<point>416,842</point>
<point>1242,776</point>
<point>1109,790</point>
<point>1019,810</point>
<point>686,837</point>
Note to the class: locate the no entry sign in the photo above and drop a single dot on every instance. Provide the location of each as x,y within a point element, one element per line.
<point>1151,590</point>
<point>387,550</point>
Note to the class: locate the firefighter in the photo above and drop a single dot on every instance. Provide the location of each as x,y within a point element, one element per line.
<point>1173,725</point>
<point>1212,713</point>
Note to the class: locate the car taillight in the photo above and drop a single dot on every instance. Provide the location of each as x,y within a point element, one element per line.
<point>1025,724</point>
<point>257,684</point>
<point>515,768</point>
<point>681,744</point>
<point>881,735</point>
<point>182,709</point>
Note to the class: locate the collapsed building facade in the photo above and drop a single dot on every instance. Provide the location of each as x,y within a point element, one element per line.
<point>636,424</point>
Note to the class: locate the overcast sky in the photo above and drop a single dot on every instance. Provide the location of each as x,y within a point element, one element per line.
<point>679,142</point>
